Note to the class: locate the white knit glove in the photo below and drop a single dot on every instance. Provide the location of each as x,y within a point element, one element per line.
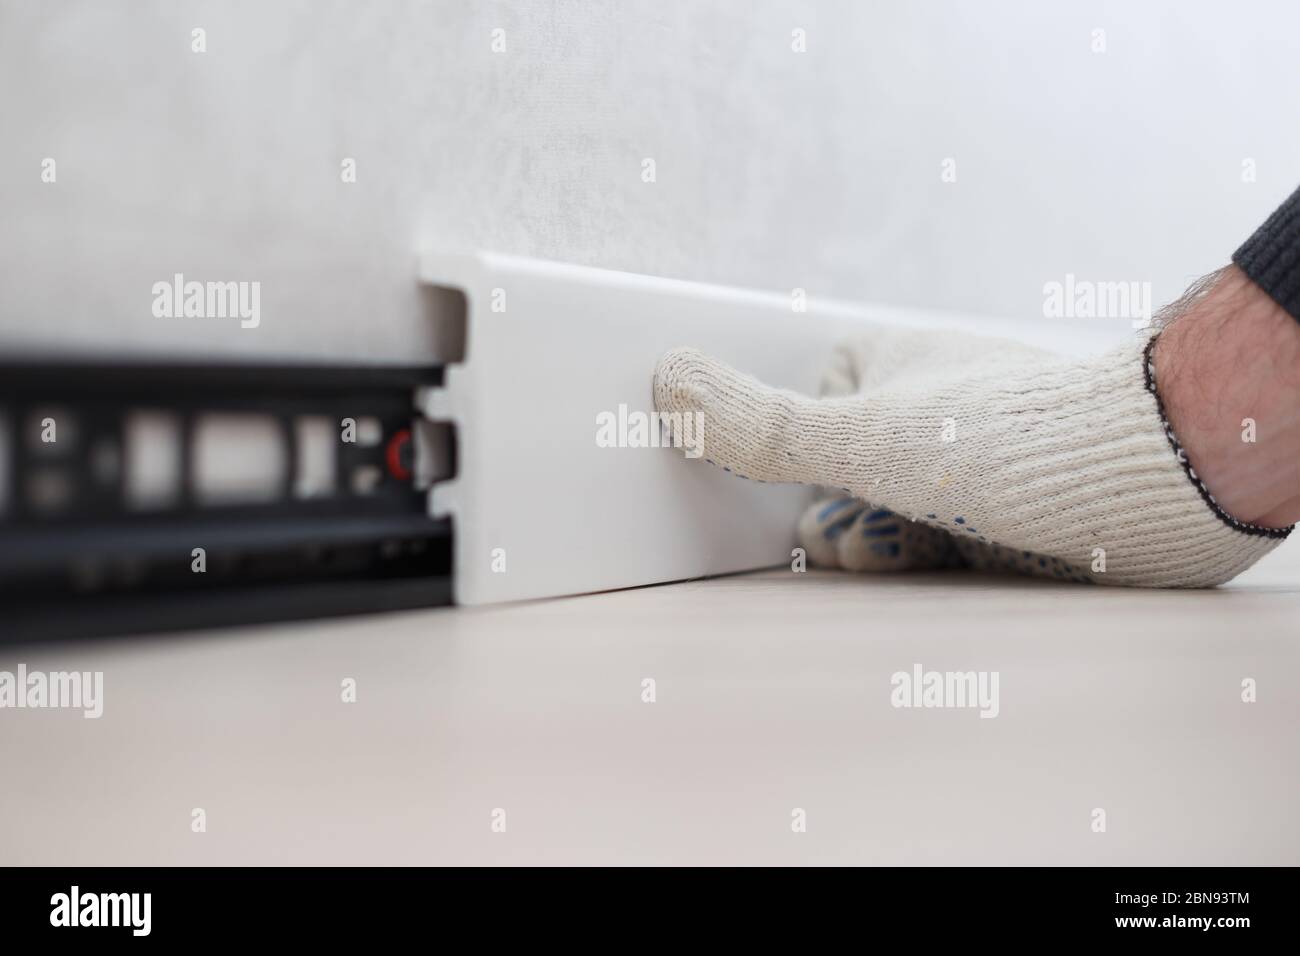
<point>1022,459</point>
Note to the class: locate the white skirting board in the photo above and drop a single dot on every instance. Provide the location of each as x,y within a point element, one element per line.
<point>539,508</point>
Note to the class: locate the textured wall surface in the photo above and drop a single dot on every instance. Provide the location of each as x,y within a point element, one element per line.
<point>774,169</point>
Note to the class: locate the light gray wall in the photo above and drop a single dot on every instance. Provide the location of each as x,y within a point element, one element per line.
<point>774,169</point>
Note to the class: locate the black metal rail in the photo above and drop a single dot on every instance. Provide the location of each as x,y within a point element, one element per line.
<point>93,562</point>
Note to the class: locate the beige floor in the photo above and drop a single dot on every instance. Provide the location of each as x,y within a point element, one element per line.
<point>772,693</point>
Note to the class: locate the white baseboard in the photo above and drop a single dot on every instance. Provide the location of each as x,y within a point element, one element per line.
<point>535,497</point>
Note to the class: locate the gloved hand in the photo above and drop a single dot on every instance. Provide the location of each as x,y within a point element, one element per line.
<point>841,531</point>
<point>979,451</point>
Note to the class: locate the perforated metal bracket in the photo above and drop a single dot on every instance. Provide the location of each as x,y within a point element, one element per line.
<point>108,526</point>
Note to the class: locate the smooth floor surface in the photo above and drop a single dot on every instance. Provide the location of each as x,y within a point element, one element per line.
<point>772,707</point>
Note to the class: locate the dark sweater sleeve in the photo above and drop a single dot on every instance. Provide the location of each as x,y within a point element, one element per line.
<point>1271,257</point>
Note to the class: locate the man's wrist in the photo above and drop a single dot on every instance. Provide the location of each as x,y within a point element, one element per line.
<point>1228,370</point>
